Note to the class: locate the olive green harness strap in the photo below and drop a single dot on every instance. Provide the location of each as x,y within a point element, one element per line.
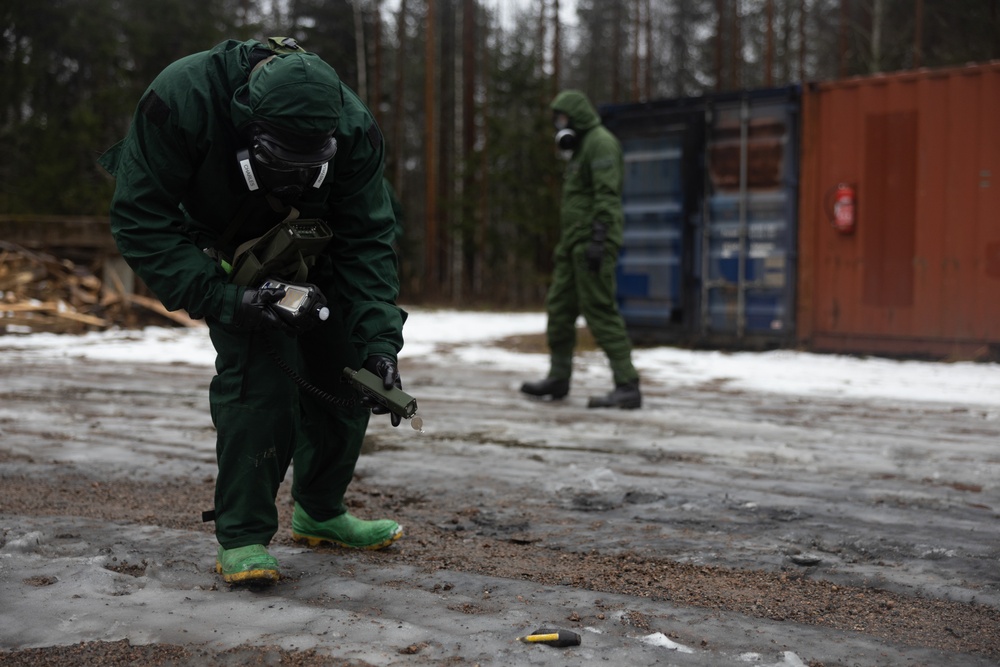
<point>241,215</point>
<point>284,45</point>
<point>293,214</point>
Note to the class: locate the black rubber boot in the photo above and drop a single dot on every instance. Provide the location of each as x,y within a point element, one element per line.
<point>553,387</point>
<point>625,396</point>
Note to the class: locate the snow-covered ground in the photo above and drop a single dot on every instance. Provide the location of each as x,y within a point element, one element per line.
<point>780,372</point>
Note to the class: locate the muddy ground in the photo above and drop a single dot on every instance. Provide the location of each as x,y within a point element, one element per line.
<point>713,527</point>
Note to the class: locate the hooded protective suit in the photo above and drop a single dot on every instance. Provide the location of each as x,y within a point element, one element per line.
<point>592,185</point>
<point>591,230</point>
<point>180,191</point>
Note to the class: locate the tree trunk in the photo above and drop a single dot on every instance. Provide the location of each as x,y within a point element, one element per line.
<point>720,22</point>
<point>359,45</point>
<point>636,33</point>
<point>376,95</point>
<point>769,46</point>
<point>556,51</point>
<point>468,123</point>
<point>842,45</point>
<point>446,147</point>
<point>878,14</point>
<point>397,148</point>
<point>431,266</point>
<point>649,50</point>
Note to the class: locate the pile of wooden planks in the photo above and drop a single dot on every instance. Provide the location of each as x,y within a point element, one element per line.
<point>42,293</point>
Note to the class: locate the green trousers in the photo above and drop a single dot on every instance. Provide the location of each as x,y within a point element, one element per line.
<point>265,421</point>
<point>576,291</point>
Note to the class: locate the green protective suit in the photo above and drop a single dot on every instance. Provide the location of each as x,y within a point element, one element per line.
<point>592,193</point>
<point>180,191</point>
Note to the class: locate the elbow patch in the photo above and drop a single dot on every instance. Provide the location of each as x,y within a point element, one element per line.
<point>155,109</point>
<point>374,136</point>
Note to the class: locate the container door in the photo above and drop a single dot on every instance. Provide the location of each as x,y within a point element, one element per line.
<point>747,240</point>
<point>649,268</point>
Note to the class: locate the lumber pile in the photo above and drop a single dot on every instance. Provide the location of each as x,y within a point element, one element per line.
<point>42,293</point>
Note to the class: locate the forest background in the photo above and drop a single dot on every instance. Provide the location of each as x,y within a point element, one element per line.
<point>460,88</point>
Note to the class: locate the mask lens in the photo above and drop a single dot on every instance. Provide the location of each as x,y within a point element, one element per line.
<point>288,152</point>
<point>267,159</point>
<point>281,178</point>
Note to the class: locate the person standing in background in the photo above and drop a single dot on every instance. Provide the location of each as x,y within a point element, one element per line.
<point>586,255</point>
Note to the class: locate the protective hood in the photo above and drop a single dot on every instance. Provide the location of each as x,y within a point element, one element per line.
<point>581,113</point>
<point>296,91</point>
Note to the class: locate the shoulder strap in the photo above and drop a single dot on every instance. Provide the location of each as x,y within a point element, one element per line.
<point>284,45</point>
<point>276,46</point>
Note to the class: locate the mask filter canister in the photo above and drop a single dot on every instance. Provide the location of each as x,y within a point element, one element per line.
<point>566,142</point>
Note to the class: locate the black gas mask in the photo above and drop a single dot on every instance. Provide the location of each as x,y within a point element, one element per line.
<point>566,139</point>
<point>283,164</point>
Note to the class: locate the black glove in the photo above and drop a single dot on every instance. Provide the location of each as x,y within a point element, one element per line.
<point>594,253</point>
<point>257,310</point>
<point>384,368</point>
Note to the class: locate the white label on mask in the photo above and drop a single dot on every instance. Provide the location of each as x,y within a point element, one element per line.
<point>248,174</point>
<point>322,175</point>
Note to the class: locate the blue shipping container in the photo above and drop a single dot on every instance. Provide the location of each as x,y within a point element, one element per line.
<point>711,211</point>
<point>749,217</point>
<point>649,268</point>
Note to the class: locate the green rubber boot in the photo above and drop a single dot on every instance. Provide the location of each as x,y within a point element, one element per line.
<point>344,530</point>
<point>248,564</point>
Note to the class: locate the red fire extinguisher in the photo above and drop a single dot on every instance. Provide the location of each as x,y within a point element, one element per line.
<point>842,208</point>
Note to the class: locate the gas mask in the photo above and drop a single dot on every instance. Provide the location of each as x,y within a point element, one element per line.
<point>283,164</point>
<point>566,138</point>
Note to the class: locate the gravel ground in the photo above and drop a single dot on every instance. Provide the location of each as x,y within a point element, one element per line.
<point>744,529</point>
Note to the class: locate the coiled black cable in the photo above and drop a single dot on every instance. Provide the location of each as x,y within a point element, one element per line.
<point>304,384</point>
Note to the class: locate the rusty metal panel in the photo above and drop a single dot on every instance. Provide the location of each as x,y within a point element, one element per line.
<point>919,273</point>
<point>890,193</point>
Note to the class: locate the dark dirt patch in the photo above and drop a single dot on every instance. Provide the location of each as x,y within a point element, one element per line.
<point>169,504</point>
<point>789,595</point>
<point>783,596</point>
<point>132,570</point>
<point>39,581</point>
<point>536,343</point>
<point>122,653</point>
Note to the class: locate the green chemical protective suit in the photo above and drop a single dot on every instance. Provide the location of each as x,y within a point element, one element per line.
<point>591,223</point>
<point>182,203</point>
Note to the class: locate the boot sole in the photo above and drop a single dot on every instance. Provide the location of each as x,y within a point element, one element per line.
<point>316,541</point>
<point>554,396</point>
<point>622,406</point>
<point>248,576</point>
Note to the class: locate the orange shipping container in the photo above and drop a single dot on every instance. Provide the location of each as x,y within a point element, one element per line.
<point>914,268</point>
